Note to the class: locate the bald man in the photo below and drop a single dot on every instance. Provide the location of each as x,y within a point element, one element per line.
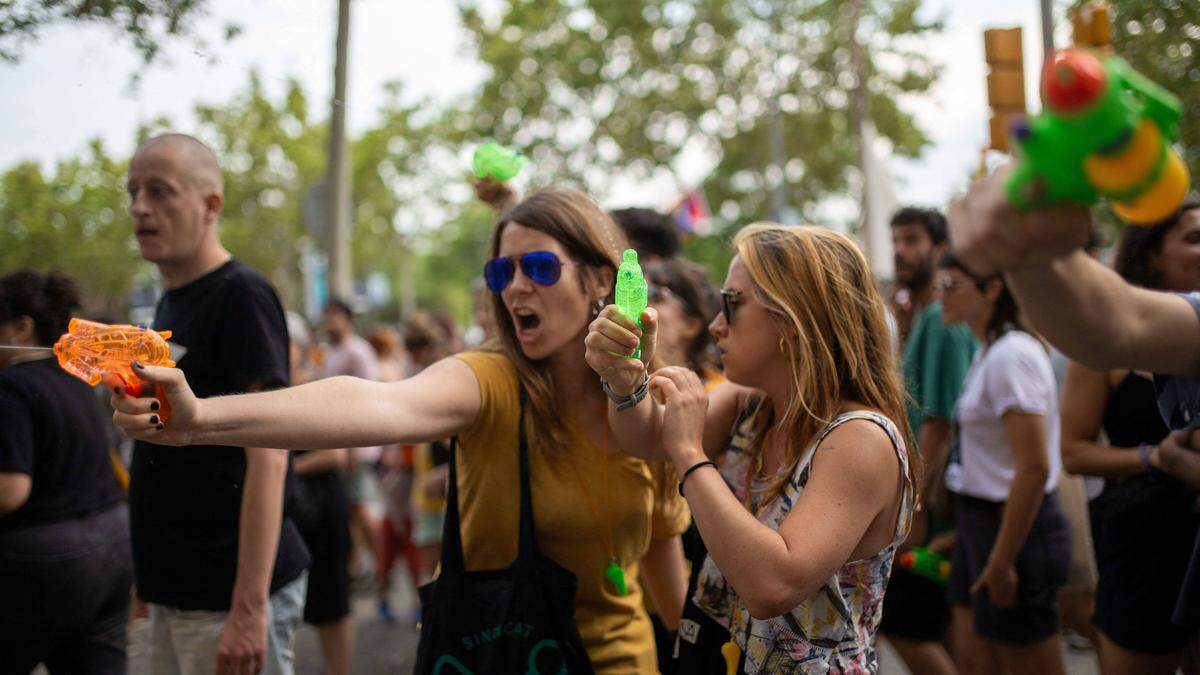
<point>221,566</point>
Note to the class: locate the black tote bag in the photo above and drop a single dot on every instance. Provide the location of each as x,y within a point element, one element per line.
<point>518,620</point>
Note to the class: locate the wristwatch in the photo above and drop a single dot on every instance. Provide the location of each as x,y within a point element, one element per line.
<point>627,402</point>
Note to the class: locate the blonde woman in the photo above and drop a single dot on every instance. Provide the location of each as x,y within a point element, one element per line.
<point>595,510</point>
<point>803,518</point>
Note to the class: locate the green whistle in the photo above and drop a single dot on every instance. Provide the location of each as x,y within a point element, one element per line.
<point>616,576</point>
<point>631,291</point>
<point>493,160</point>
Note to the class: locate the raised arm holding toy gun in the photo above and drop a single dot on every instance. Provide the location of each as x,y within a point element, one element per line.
<point>1105,132</point>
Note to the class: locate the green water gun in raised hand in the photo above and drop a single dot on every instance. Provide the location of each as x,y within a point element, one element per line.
<point>493,160</point>
<point>631,292</point>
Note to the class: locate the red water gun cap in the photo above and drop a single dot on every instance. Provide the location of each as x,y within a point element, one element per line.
<point>1072,79</point>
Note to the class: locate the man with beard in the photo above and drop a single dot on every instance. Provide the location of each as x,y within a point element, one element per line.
<point>936,359</point>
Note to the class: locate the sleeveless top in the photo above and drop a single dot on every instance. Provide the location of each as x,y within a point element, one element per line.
<point>832,630</point>
<point>1131,416</point>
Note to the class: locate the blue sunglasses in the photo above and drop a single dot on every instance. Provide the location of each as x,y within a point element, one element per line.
<point>542,267</point>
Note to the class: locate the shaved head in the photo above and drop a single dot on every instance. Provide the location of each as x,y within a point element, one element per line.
<point>197,161</point>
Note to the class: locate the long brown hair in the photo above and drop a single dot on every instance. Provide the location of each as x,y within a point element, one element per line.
<point>594,242</point>
<point>818,287</point>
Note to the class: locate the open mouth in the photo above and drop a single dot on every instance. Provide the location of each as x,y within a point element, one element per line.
<point>526,320</point>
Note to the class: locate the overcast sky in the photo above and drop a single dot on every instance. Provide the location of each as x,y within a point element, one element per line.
<point>71,86</point>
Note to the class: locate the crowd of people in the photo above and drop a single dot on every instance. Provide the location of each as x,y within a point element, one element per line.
<point>747,496</point>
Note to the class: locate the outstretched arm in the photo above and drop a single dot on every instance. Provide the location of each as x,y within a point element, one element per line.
<point>338,412</point>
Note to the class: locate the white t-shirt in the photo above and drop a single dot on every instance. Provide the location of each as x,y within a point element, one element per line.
<point>1014,373</point>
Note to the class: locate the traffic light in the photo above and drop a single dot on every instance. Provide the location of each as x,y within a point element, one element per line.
<point>1005,82</point>
<point>1092,26</point>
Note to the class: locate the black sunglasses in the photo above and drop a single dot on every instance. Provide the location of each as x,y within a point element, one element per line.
<point>542,267</point>
<point>730,299</point>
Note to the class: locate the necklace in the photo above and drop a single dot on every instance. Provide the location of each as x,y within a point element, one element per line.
<point>612,570</point>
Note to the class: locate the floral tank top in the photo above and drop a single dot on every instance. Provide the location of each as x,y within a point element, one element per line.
<point>834,629</point>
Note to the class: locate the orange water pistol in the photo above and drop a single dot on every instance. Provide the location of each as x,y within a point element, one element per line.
<point>91,351</point>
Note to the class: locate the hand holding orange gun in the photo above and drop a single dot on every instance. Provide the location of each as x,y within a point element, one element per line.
<point>96,352</point>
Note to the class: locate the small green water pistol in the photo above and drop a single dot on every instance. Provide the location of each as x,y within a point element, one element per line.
<point>631,291</point>
<point>925,563</point>
<point>493,160</point>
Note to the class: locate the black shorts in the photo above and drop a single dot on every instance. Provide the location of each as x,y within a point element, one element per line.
<point>1143,529</point>
<point>1041,566</point>
<point>321,513</point>
<point>914,608</point>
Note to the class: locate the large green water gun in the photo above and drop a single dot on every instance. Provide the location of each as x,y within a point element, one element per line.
<point>925,563</point>
<point>1105,130</point>
<point>493,160</point>
<point>631,292</point>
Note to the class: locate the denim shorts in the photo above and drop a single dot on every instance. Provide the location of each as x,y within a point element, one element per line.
<point>1041,565</point>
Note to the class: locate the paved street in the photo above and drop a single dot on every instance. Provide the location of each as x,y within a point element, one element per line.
<point>391,649</point>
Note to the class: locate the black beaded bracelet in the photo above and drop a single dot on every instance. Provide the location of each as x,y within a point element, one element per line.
<point>692,468</point>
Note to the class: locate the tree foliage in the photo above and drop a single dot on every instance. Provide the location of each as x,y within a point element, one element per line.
<point>72,218</point>
<point>148,24</point>
<point>1161,39</point>
<point>590,88</point>
<point>272,150</point>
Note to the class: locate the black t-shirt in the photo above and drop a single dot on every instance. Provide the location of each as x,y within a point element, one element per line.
<point>52,428</point>
<point>185,503</point>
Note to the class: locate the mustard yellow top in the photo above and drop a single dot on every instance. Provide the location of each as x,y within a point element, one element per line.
<point>615,629</point>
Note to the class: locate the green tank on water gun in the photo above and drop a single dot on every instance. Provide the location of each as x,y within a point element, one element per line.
<point>925,563</point>
<point>493,160</point>
<point>631,291</point>
<point>1106,130</point>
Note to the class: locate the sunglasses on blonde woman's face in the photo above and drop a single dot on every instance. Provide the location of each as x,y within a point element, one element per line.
<point>730,299</point>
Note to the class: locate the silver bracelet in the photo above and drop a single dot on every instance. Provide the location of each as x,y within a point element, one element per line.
<point>627,402</point>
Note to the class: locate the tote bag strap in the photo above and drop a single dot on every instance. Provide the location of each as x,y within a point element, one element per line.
<point>526,543</point>
<point>452,553</point>
<point>453,561</point>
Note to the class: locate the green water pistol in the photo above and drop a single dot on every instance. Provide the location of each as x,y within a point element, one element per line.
<point>925,563</point>
<point>631,292</point>
<point>1106,130</point>
<point>493,160</point>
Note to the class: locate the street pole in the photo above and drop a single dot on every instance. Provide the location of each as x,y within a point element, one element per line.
<point>341,275</point>
<point>779,192</point>
<point>1047,29</point>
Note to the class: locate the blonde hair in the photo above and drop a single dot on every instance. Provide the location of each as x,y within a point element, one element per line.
<point>819,289</point>
<point>592,240</point>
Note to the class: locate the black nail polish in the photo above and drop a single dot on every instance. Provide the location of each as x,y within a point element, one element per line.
<point>154,405</point>
<point>154,419</point>
<point>138,365</point>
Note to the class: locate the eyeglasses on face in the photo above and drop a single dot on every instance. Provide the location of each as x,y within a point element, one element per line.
<point>542,267</point>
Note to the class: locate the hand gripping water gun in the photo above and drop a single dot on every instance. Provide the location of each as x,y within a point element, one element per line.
<point>925,563</point>
<point>493,160</point>
<point>91,350</point>
<point>1106,130</point>
<point>631,291</point>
